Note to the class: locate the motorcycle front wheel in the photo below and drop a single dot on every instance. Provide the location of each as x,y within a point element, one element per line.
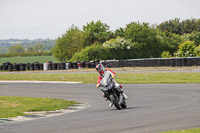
<point>114,101</point>
<point>123,105</point>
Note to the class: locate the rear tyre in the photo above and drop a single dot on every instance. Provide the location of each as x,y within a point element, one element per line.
<point>114,101</point>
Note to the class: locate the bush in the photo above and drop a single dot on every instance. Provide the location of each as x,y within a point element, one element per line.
<point>94,52</point>
<point>197,51</point>
<point>166,54</point>
<point>186,49</point>
<point>121,48</point>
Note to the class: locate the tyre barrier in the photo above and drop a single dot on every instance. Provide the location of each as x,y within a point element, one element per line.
<point>190,61</point>
<point>21,66</point>
<point>153,62</point>
<point>74,65</point>
<point>10,68</point>
<point>79,65</point>
<point>50,65</point>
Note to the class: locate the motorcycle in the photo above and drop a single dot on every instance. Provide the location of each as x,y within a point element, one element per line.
<point>111,93</point>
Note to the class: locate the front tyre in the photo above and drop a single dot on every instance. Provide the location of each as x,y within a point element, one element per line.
<point>114,101</point>
<point>123,105</point>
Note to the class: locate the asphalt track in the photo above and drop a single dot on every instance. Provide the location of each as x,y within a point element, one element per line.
<point>151,108</point>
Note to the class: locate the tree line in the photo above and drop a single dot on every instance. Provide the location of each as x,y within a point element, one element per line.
<point>19,50</point>
<point>95,41</point>
<point>28,45</point>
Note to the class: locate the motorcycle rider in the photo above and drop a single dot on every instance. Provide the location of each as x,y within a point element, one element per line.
<point>100,69</point>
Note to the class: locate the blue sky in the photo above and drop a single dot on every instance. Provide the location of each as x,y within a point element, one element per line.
<point>33,19</point>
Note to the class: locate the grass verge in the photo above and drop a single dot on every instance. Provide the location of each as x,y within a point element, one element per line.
<point>196,130</point>
<point>16,106</point>
<point>123,78</point>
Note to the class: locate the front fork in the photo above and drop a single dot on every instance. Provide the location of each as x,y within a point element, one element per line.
<point>120,98</point>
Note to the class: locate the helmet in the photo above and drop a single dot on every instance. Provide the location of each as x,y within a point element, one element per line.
<point>100,68</point>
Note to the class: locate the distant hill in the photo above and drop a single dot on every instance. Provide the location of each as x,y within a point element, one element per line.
<point>5,44</point>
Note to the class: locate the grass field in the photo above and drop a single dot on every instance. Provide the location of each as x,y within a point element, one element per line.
<point>41,59</point>
<point>16,106</point>
<point>196,130</point>
<point>122,78</point>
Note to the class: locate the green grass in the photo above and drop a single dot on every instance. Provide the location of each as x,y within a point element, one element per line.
<point>16,106</point>
<point>30,59</point>
<point>123,78</point>
<point>196,130</point>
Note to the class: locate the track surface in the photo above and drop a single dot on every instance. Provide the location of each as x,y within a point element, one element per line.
<point>151,108</point>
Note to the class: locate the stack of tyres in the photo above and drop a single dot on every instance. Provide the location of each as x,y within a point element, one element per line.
<point>79,64</point>
<point>58,66</point>
<point>61,66</point>
<point>1,68</point>
<point>5,66</point>
<point>32,67</point>
<point>10,68</point>
<point>68,65</point>
<point>87,64</point>
<point>45,66</point>
<point>54,66</point>
<point>16,67</point>
<point>83,64</point>
<point>93,64</point>
<point>75,66</point>
<point>36,66</point>
<point>22,67</point>
<point>41,66</point>
<point>28,66</point>
<point>50,65</point>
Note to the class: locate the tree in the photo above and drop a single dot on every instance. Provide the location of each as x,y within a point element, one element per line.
<point>16,49</point>
<point>169,43</point>
<point>195,36</point>
<point>146,37</point>
<point>30,49</point>
<point>38,47</point>
<point>96,32</point>
<point>171,26</point>
<point>120,32</point>
<point>180,27</point>
<point>67,45</point>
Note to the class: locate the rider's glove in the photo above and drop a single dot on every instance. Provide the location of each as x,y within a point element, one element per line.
<point>97,86</point>
<point>113,76</point>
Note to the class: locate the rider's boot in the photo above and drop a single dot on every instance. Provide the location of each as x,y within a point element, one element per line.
<point>111,104</point>
<point>103,95</point>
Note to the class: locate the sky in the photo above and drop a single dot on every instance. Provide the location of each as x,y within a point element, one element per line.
<point>33,19</point>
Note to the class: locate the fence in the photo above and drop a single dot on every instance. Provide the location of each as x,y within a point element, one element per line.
<point>190,61</point>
